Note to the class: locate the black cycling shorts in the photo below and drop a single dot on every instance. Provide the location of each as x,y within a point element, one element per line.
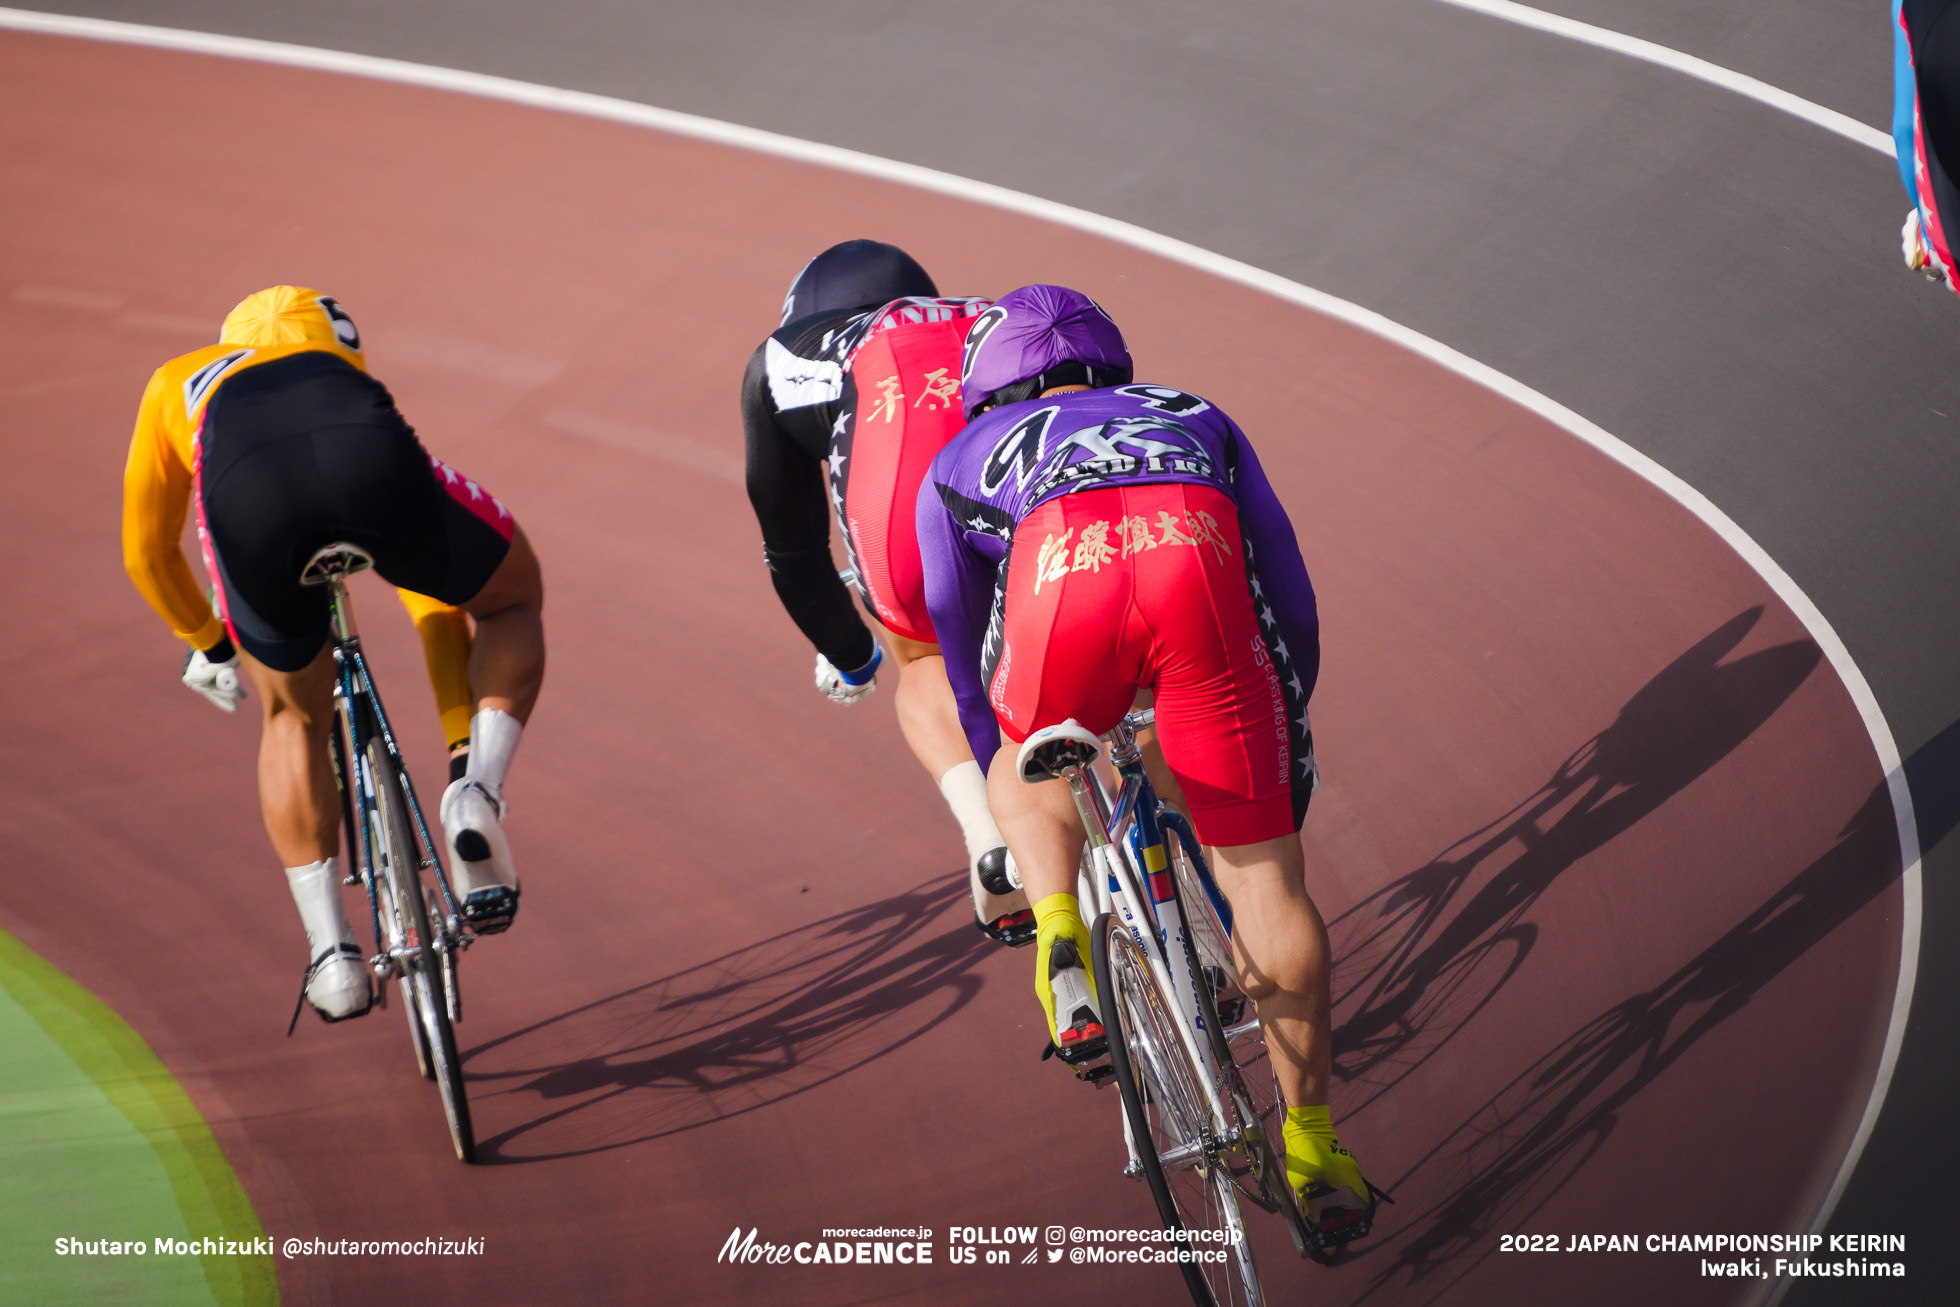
<point>298,453</point>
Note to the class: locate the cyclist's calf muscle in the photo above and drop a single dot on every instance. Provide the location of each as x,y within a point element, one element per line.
<point>296,786</point>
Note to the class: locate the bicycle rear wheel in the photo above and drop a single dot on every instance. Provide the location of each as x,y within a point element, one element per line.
<point>1171,1123</point>
<point>420,967</point>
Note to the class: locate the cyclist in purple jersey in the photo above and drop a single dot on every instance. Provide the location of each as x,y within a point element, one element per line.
<point>1085,538</point>
<point>1019,456</point>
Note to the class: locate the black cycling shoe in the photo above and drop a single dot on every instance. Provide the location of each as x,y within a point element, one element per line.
<point>992,868</point>
<point>989,876</point>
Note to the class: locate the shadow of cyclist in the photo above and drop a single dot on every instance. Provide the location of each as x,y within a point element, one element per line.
<point>753,1027</point>
<point>1511,1156</point>
<point>1419,958</point>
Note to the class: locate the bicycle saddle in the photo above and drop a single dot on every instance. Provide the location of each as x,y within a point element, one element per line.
<point>337,559</point>
<point>1052,750</point>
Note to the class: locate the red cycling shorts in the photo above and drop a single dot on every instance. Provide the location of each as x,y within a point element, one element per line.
<point>1120,588</point>
<point>908,407</point>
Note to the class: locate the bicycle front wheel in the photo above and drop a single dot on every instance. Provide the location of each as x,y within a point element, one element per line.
<point>1171,1124</point>
<point>424,991</point>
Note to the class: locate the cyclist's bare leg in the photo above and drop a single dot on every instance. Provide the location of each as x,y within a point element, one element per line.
<point>929,716</point>
<point>506,671</point>
<point>1279,945</point>
<point>1044,833</point>
<point>927,712</point>
<point>1040,825</point>
<point>296,786</point>
<point>301,807</point>
<point>507,653</point>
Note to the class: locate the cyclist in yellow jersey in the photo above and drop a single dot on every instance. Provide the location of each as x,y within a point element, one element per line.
<point>281,442</point>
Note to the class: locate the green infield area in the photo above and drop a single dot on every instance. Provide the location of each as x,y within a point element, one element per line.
<point>99,1142</point>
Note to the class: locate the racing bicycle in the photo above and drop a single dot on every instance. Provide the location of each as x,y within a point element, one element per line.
<point>1201,1108</point>
<point>418,930</point>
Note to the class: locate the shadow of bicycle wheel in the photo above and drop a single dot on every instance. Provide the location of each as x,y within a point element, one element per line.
<point>1418,959</point>
<point>748,1029</point>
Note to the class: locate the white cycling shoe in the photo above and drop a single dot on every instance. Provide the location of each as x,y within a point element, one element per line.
<point>335,984</point>
<point>479,859</point>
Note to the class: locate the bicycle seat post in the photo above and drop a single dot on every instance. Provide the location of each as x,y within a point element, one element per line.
<point>1067,752</point>
<point>1094,824</point>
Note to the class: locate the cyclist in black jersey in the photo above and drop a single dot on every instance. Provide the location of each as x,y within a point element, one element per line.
<point>818,439</point>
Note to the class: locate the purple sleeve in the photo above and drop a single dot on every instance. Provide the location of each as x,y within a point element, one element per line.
<point>1282,572</point>
<point>959,591</point>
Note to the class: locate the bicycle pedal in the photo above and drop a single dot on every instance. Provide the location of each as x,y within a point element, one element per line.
<point>1095,1075</point>
<point>1016,931</point>
<point>491,910</point>
<point>1335,1218</point>
<point>1086,1050</point>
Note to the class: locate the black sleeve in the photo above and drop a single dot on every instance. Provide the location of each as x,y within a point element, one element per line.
<point>790,494</point>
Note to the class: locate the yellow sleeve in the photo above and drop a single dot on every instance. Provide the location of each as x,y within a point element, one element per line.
<point>156,495</point>
<point>445,633</point>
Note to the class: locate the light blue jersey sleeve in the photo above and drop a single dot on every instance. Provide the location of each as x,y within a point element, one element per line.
<point>1905,92</point>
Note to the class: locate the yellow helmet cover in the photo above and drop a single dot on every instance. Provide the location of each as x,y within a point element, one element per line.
<point>289,315</point>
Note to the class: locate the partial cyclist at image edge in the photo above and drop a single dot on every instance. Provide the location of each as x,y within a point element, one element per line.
<point>1085,538</point>
<point>280,442</point>
<point>1926,129</point>
<point>843,407</point>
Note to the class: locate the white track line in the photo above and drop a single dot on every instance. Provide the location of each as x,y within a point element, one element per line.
<point>789,147</point>
<point>1700,69</point>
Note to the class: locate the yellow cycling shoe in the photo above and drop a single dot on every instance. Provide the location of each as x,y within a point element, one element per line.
<point>1061,974</point>
<point>1339,1205</point>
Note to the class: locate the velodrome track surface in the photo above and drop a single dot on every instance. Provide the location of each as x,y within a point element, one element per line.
<point>1707,797</point>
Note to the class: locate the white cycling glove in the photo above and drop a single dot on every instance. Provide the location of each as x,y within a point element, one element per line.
<point>218,680</point>
<point>1919,256</point>
<point>848,687</point>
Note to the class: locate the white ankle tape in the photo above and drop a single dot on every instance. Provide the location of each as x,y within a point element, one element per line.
<point>316,893</point>
<point>965,788</point>
<point>494,734</point>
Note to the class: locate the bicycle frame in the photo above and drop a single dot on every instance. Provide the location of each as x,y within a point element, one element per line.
<point>357,703</point>
<point>1130,822</point>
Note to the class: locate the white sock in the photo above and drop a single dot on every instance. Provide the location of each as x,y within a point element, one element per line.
<point>965,788</point>
<point>494,734</point>
<point>316,891</point>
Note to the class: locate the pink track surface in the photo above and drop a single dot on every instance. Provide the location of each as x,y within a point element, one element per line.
<point>1603,846</point>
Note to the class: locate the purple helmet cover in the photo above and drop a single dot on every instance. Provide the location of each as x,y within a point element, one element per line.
<point>1030,330</point>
